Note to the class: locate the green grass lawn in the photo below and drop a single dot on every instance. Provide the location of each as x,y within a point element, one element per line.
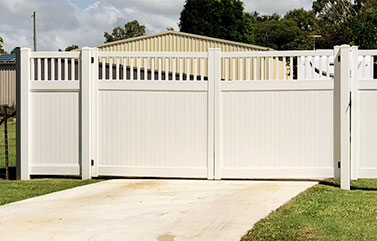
<point>12,145</point>
<point>11,191</point>
<point>323,212</point>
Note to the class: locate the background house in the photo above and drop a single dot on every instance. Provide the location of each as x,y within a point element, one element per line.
<point>8,80</point>
<point>173,41</point>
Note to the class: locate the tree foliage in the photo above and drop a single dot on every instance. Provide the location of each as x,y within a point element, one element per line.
<point>281,35</point>
<point>2,51</point>
<point>224,19</point>
<point>131,29</point>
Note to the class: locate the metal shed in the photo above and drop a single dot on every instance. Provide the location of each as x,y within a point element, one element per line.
<point>173,41</point>
<point>8,79</point>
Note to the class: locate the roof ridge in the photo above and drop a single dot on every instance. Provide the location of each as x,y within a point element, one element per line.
<point>186,35</point>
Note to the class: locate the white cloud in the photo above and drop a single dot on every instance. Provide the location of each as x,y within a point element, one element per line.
<point>83,22</point>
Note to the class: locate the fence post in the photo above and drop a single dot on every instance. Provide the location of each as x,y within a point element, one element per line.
<point>342,116</point>
<point>85,123</point>
<point>354,112</point>
<point>94,91</point>
<point>22,114</point>
<point>214,105</point>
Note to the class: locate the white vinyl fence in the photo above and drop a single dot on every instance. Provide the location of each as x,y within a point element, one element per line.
<point>215,115</point>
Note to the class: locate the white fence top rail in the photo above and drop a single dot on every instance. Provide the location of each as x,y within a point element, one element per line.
<point>55,54</point>
<point>277,53</point>
<point>153,54</point>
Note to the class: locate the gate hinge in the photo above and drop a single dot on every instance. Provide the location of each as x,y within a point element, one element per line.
<point>92,60</point>
<point>92,162</point>
<point>338,164</point>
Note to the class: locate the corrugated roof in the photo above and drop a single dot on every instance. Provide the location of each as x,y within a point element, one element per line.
<point>8,58</point>
<point>186,35</point>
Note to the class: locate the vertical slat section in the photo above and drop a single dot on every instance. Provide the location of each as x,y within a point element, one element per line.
<point>271,68</point>
<point>320,70</point>
<point>248,69</point>
<point>202,73</point>
<point>233,69</point>
<point>180,68</point>
<point>72,60</point>
<point>152,68</point>
<point>277,68</point>
<point>39,73</point>
<point>138,63</point>
<point>52,69</point>
<point>111,59</point>
<point>174,69</point>
<point>195,69</point>
<point>313,67</point>
<point>146,68</point>
<point>45,63</point>
<point>59,69</point>
<point>32,69</point>
<point>327,66</point>
<point>103,68</point>
<point>159,68</point>
<point>255,71</point>
<point>65,69</point>
<point>371,66</point>
<point>240,69</point>
<point>167,68</point>
<point>299,74</point>
<point>226,69</point>
<point>132,68</point>
<point>188,68</point>
<point>291,70</point>
<point>284,68</point>
<point>263,68</point>
<point>125,68</point>
<point>117,68</point>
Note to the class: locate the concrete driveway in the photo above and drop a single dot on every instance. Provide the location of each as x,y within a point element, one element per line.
<point>145,210</point>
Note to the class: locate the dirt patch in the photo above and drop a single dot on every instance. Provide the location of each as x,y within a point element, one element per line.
<point>166,237</point>
<point>310,234</point>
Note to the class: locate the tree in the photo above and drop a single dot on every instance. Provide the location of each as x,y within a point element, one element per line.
<point>223,19</point>
<point>71,47</point>
<point>281,35</point>
<point>305,20</point>
<point>2,51</point>
<point>363,29</point>
<point>130,30</point>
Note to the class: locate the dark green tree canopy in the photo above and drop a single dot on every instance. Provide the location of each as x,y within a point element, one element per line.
<point>305,20</point>
<point>2,51</point>
<point>281,35</point>
<point>223,19</point>
<point>130,30</point>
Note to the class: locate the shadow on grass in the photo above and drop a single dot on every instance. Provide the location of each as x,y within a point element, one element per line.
<point>12,173</point>
<point>360,185</point>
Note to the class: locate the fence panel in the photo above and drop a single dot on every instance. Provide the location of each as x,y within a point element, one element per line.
<point>282,125</point>
<point>365,134</point>
<point>152,114</point>
<point>54,85</point>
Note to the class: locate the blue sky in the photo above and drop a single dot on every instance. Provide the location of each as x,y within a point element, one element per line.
<point>83,22</point>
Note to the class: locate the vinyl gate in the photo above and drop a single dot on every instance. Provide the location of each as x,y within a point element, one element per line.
<point>212,115</point>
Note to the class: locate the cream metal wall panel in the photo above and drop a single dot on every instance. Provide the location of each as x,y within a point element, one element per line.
<point>54,124</point>
<point>177,42</point>
<point>7,87</point>
<point>265,131</point>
